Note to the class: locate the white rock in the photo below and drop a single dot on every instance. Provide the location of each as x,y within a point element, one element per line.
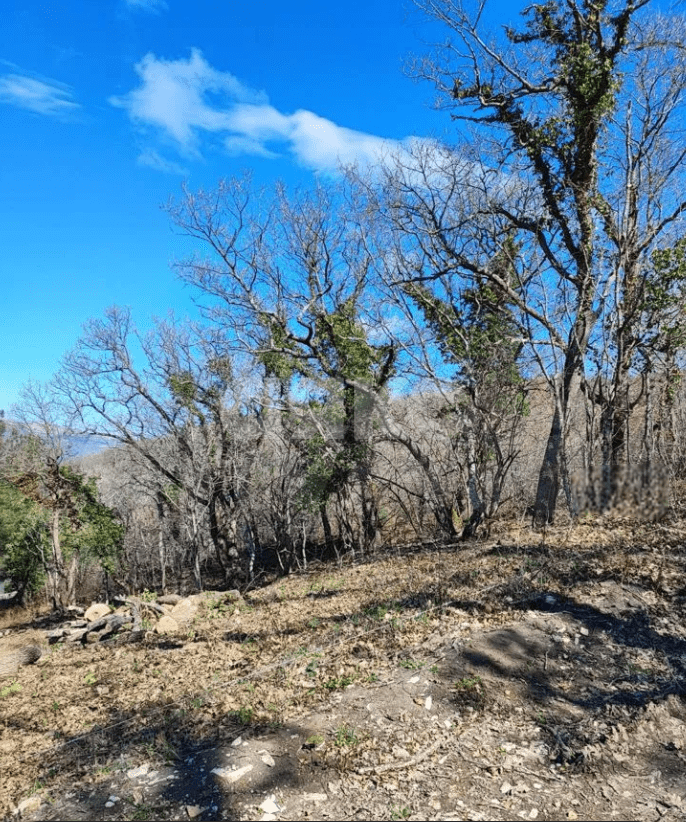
<point>136,773</point>
<point>237,741</point>
<point>96,611</point>
<point>269,805</point>
<point>505,788</point>
<point>194,810</point>
<point>185,611</point>
<point>428,702</point>
<point>232,776</point>
<point>268,759</point>
<point>32,803</point>
<point>583,631</point>
<point>166,625</point>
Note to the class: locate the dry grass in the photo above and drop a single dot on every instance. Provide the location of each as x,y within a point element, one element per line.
<point>290,645</point>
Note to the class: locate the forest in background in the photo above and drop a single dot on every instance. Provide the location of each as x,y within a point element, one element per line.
<point>466,332</point>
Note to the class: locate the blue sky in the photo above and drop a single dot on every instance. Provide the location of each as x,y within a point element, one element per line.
<point>107,106</point>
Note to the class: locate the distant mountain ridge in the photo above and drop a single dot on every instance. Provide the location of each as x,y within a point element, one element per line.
<point>76,445</point>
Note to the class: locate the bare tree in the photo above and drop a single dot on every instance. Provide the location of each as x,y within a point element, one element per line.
<point>290,281</point>
<point>558,99</point>
<point>181,410</point>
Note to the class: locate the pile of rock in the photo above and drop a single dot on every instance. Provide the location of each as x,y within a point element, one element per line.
<point>131,617</point>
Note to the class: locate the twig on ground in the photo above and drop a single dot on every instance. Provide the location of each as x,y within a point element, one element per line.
<point>403,763</point>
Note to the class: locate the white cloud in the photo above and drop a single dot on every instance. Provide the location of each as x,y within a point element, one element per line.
<point>154,159</point>
<point>241,144</point>
<point>321,144</point>
<point>173,97</point>
<point>44,97</point>
<point>187,100</point>
<point>148,5</point>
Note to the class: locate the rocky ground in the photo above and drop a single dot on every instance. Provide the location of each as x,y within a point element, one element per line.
<point>525,677</point>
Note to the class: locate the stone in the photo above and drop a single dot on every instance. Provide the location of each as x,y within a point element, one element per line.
<point>75,610</point>
<point>232,776</point>
<point>269,805</point>
<point>29,805</point>
<point>97,611</point>
<point>167,625</point>
<point>170,599</point>
<point>184,612</point>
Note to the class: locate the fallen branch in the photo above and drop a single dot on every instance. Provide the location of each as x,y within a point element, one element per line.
<point>404,763</point>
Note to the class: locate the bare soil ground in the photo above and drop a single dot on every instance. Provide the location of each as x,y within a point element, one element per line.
<point>516,678</point>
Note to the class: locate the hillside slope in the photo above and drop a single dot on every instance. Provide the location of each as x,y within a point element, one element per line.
<point>511,679</point>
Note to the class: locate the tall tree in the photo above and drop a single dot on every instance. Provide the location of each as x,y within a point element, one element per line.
<point>555,99</point>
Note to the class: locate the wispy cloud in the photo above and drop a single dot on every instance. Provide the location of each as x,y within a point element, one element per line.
<point>188,100</point>
<point>153,159</point>
<point>173,96</point>
<point>43,96</point>
<point>147,5</point>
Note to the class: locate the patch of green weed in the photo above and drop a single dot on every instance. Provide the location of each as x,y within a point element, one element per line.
<point>13,688</point>
<point>345,737</point>
<point>243,715</point>
<point>338,682</point>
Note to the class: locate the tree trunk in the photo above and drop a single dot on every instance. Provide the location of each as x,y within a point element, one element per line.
<point>326,525</point>
<point>71,577</point>
<point>549,476</point>
<point>160,541</point>
<point>55,570</point>
<point>475,501</point>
